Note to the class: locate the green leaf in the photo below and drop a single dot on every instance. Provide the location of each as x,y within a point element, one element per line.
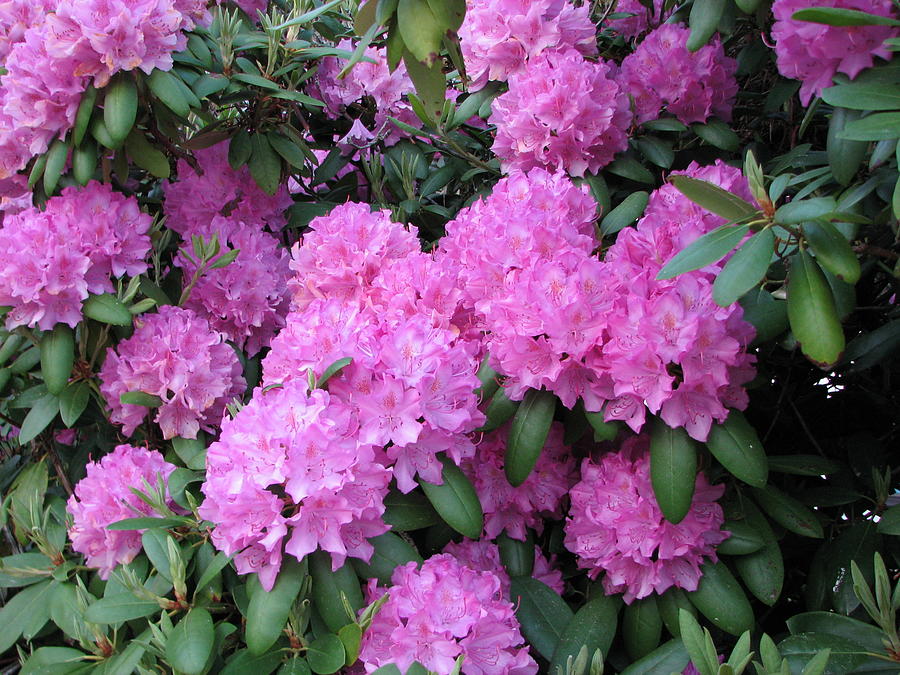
<point>268,611</point>
<point>833,16</point>
<point>742,540</point>
<point>217,564</point>
<point>875,127</point>
<point>745,269</point>
<point>56,162</point>
<point>656,150</point>
<point>803,465</point>
<point>306,17</point>
<point>817,664</point>
<point>517,556</point>
<point>147,522</point>
<point>243,662</point>
<point>57,357</point>
<point>24,569</point>
<point>695,642</point>
<point>351,637</point>
<point>448,13</point>
<point>147,157</point>
<point>191,451</point>
<point>762,571</point>
<point>667,658</point>
<point>39,417</point>
<point>333,370</point>
<point>326,654</point>
<point>593,626</point>
<point>867,636</point>
<point>296,666</point>
<point>190,643</point>
<point>120,607</point>
<point>166,89</point>
<point>265,164</point>
<point>890,521</point>
<point>704,251</point>
<point>869,349</point>
<point>766,314</point>
<point>120,107</point>
<point>411,511</point>
<point>630,168</point>
<point>863,96</point>
<point>703,20</point>
<point>832,250</point>
<point>209,83</point>
<point>239,149</point>
<point>140,398</point>
<point>155,542</point>
<point>420,29</point>
<point>84,162</point>
<point>55,660</point>
<point>799,649</point>
<point>717,133</point>
<point>390,552</point>
<point>812,313</point>
<point>288,150</point>
<point>641,627</point>
<point>106,308</point>
<point>456,501</point>
<point>845,157</point>
<point>83,115</point>
<point>527,434</point>
<point>720,598</point>
<point>829,582</point>
<point>499,411</point>
<point>673,470</point>
<point>737,446</point>
<point>670,604</point>
<point>431,85</point>
<point>788,512</point>
<point>542,614</point>
<point>802,210</point>
<point>19,609</point>
<point>627,212</point>
<point>327,588</point>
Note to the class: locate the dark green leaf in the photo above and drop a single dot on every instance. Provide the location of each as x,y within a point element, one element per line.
<point>106,308</point>
<point>630,168</point>
<point>717,133</point>
<point>39,418</point>
<point>667,658</point>
<point>704,251</point>
<point>788,512</point>
<point>56,162</point>
<point>120,607</point>
<point>890,521</point>
<point>146,522</point>
<point>411,511</point>
<point>120,107</point>
<point>190,643</point>
<point>593,626</point>
<point>737,446</point>
<point>166,89</point>
<point>863,96</point>
<point>140,398</point>
<point>265,164</point>
<point>327,588</point>
<point>268,611</point>
<point>799,649</point>
<point>18,610</point>
<point>832,250</point>
<point>527,434</point>
<point>333,370</point>
<point>704,19</point>
<point>742,540</point>
<point>865,635</point>
<point>326,654</point>
<point>83,115</point>
<point>627,212</point>
<point>745,269</point>
<point>812,313</point>
<point>875,127</point>
<point>390,552</point>
<point>542,614</point>
<point>835,16</point>
<point>720,598</point>
<point>421,31</point>
<point>673,470</point>
<point>641,627</point>
<point>803,465</point>
<point>456,501</point>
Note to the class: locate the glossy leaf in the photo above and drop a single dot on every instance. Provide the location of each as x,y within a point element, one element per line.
<point>326,654</point>
<point>166,89</point>
<point>527,434</point>
<point>745,269</point>
<point>190,643</point>
<point>811,312</point>
<point>542,614</point>
<point>736,445</point>
<point>832,250</point>
<point>106,308</point>
<point>720,598</point>
<point>120,107</point>
<point>328,586</point>
<point>391,551</point>
<point>39,418</point>
<point>627,212</point>
<point>743,539</point>
<point>641,627</point>
<point>762,571</point>
<point>268,611</point>
<point>704,251</point>
<point>667,658</point>
<point>593,626</point>
<point>456,501</point>
<point>788,512</point>
<point>673,470</point>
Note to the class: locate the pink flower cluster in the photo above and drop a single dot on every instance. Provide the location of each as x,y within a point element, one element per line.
<point>440,611</point>
<point>669,348</point>
<point>661,74</point>
<point>292,472</point>
<point>541,495</point>
<point>247,299</point>
<point>176,356</point>
<point>366,80</point>
<point>197,197</point>
<point>615,526</point>
<point>642,18</point>
<point>814,52</point>
<point>103,497</point>
<point>498,37</point>
<point>483,555</point>
<point>608,332</point>
<point>363,289</point>
<point>541,124</point>
<point>53,259</point>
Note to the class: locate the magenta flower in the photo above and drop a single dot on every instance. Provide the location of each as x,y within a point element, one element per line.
<point>54,258</point>
<point>540,124</point>
<point>541,495</point>
<point>176,356</point>
<point>813,52</point>
<point>661,74</point>
<point>217,190</point>
<point>638,551</point>
<point>247,299</point>
<point>483,555</point>
<point>289,474</point>
<point>641,20</point>
<point>499,37</point>
<point>440,611</point>
<point>103,497</point>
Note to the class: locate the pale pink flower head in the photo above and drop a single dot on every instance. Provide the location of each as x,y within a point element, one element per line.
<point>54,258</point>
<point>813,52</point>
<point>176,356</point>
<point>615,526</point>
<point>483,555</point>
<point>541,124</point>
<point>499,37</point>
<point>289,474</point>
<point>440,611</point>
<point>541,496</point>
<point>104,496</point>
<point>247,299</point>
<point>661,74</point>
<point>196,198</point>
<point>641,20</point>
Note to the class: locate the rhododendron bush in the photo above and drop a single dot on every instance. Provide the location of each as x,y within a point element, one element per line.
<point>492,337</point>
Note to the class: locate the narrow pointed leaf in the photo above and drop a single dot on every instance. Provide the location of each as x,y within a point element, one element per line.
<point>704,251</point>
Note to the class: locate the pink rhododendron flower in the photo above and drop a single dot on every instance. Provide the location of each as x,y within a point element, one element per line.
<point>642,19</point>
<point>289,474</point>
<point>17,16</point>
<point>498,37</point>
<point>515,508</point>
<point>661,74</point>
<point>176,356</point>
<point>541,124</point>
<point>627,538</point>
<point>813,52</point>
<point>251,7</point>
<point>366,80</point>
<point>247,299</point>
<point>196,198</point>
<point>364,290</point>
<point>54,258</point>
<point>440,611</point>
<point>104,496</point>
<point>483,555</point>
